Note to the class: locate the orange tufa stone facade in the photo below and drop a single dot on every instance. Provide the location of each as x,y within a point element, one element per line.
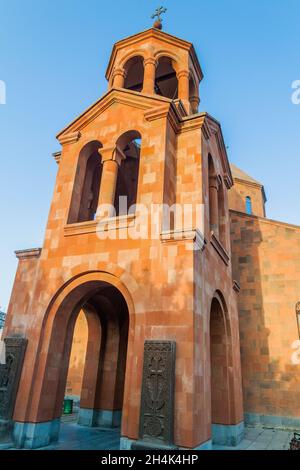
<point>144,139</point>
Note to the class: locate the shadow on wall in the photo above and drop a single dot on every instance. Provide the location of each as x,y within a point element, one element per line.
<point>266,263</point>
<point>173,304</point>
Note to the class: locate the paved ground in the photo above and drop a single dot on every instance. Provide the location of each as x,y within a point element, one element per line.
<point>74,437</point>
<point>262,439</point>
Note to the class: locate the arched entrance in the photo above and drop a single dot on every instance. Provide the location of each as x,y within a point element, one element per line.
<point>106,306</point>
<point>102,383</point>
<point>221,363</point>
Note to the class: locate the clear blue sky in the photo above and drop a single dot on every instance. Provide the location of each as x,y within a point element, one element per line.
<point>53,56</point>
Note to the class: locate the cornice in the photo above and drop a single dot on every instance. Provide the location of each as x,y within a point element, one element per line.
<point>115,95</point>
<point>216,130</point>
<point>252,184</point>
<point>219,249</point>
<point>157,34</point>
<point>69,138</point>
<point>29,253</point>
<point>264,220</point>
<point>236,287</point>
<point>248,183</point>
<point>194,235</point>
<point>168,111</point>
<point>57,156</point>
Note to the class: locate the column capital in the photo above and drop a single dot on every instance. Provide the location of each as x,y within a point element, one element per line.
<point>195,100</point>
<point>214,182</point>
<point>119,71</point>
<point>150,60</point>
<point>114,154</point>
<point>183,73</point>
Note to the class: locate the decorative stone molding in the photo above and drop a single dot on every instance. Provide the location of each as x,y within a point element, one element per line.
<point>123,96</point>
<point>93,226</point>
<point>219,249</point>
<point>194,235</point>
<point>236,287</point>
<point>183,73</point>
<point>118,78</point>
<point>180,108</point>
<point>167,111</point>
<point>150,60</point>
<point>29,253</point>
<point>119,71</point>
<point>57,156</point>
<point>111,153</point>
<point>147,36</point>
<point>70,138</point>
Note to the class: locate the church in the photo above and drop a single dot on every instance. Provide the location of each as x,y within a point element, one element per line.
<point>179,339</point>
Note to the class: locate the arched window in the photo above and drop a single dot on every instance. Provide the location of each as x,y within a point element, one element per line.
<point>213,197</point>
<point>222,214</point>
<point>217,209</point>
<point>166,83</point>
<point>134,70</point>
<point>248,205</point>
<point>127,182</point>
<point>86,184</point>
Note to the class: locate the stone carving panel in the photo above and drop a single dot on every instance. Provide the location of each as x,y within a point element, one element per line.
<point>10,373</point>
<point>157,404</point>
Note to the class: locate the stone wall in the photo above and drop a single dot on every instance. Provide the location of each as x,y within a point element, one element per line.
<point>266,263</point>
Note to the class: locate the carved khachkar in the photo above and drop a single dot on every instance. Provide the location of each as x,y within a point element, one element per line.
<point>157,404</point>
<point>10,373</point>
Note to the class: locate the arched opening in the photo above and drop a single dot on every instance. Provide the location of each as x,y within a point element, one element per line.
<point>134,73</point>
<point>129,144</point>
<point>220,361</point>
<point>103,377</point>
<point>222,214</point>
<point>213,197</point>
<point>248,205</point>
<point>166,83</point>
<point>86,188</point>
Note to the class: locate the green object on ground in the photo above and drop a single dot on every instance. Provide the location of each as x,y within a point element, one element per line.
<point>68,406</point>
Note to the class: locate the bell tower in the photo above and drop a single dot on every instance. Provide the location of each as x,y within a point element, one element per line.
<point>155,268</point>
<point>156,63</point>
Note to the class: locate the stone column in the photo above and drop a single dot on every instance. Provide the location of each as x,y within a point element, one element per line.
<point>119,76</point>
<point>183,88</point>
<point>111,160</point>
<point>213,205</point>
<point>194,103</point>
<point>150,65</point>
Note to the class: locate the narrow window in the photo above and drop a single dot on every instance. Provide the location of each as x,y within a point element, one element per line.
<point>248,205</point>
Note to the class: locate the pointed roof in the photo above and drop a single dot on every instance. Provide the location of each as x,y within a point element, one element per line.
<point>239,174</point>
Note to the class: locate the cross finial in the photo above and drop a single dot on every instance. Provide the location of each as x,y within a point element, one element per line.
<point>158,12</point>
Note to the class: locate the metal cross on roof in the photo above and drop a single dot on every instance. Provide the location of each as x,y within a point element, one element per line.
<point>158,12</point>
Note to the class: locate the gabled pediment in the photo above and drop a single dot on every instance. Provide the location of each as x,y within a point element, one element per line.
<point>115,96</point>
